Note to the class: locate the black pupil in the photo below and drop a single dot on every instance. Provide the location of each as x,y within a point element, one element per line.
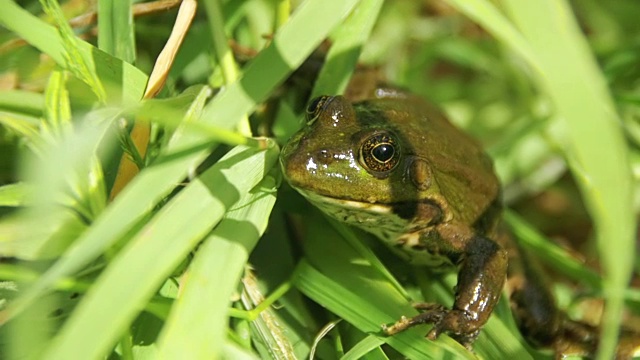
<point>383,152</point>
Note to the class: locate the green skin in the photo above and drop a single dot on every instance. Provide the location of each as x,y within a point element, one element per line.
<point>435,200</point>
<point>435,205</point>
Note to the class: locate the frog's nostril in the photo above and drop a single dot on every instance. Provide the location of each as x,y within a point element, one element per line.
<point>324,156</point>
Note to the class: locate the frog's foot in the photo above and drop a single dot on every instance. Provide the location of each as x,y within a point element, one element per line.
<point>456,323</point>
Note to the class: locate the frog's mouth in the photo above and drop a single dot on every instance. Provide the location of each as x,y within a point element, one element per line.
<point>347,203</point>
<point>420,214</point>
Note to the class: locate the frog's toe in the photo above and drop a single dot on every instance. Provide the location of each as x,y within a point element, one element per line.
<point>457,324</point>
<point>432,315</point>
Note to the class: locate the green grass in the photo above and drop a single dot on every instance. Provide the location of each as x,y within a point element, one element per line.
<point>176,263</point>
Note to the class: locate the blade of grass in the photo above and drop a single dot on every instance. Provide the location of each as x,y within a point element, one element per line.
<point>282,9</point>
<point>487,14</point>
<point>563,59</point>
<point>348,40</point>
<point>136,273</point>
<point>364,347</point>
<point>57,174</point>
<point>24,102</point>
<point>581,96</point>
<point>306,28</point>
<point>13,194</point>
<point>116,34</point>
<point>82,67</point>
<point>196,328</point>
<point>57,109</point>
<point>118,218</point>
<point>338,278</point>
<point>223,53</point>
<point>83,189</point>
<point>358,310</point>
<point>233,351</point>
<point>23,126</point>
<point>312,21</point>
<point>267,328</point>
<point>141,131</point>
<point>123,81</point>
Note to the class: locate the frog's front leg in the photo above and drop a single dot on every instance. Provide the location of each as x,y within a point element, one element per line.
<point>483,268</point>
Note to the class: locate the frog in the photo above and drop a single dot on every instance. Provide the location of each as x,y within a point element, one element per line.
<point>393,165</point>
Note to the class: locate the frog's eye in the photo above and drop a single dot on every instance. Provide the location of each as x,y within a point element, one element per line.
<point>315,106</point>
<point>379,154</point>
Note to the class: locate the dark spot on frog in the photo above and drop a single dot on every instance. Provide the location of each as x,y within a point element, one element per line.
<point>421,214</point>
<point>488,221</point>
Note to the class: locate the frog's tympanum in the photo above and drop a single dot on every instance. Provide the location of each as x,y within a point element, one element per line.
<point>394,166</point>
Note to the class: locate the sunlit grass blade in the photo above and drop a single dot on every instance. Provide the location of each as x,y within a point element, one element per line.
<point>358,310</point>
<point>341,280</point>
<point>57,107</point>
<point>140,134</point>
<point>122,81</point>
<point>59,170</point>
<point>80,66</point>
<point>489,16</point>
<point>364,347</point>
<point>348,40</point>
<point>590,116</point>
<point>24,126</point>
<point>307,27</point>
<point>233,351</point>
<point>168,112</point>
<point>563,59</point>
<point>266,329</point>
<point>196,328</point>
<point>13,194</point>
<point>224,55</point>
<point>116,29</point>
<point>155,251</point>
<point>153,183</point>
<point>23,102</point>
<point>110,267</point>
<point>144,193</point>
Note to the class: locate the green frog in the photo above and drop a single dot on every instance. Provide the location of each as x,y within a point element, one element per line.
<point>394,166</point>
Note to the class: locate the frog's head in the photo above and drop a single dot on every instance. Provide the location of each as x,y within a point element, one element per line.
<point>370,161</point>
